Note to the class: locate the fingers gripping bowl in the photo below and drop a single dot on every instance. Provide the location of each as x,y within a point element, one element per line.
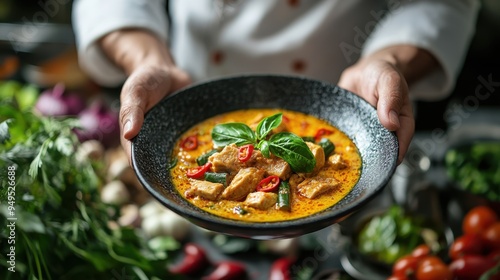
<point>166,122</point>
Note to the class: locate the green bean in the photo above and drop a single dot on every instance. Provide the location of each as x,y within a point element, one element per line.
<point>201,160</point>
<point>284,196</point>
<point>216,177</point>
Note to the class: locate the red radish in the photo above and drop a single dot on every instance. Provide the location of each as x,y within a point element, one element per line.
<point>57,102</point>
<point>100,123</point>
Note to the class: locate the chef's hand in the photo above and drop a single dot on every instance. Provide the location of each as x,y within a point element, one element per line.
<point>382,79</point>
<point>152,75</point>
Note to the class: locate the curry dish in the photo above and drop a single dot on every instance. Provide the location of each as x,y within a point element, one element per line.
<point>264,165</point>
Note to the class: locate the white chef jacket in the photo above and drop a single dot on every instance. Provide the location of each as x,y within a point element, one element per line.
<point>312,38</point>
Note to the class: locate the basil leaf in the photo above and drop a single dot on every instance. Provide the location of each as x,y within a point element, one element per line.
<point>293,150</point>
<point>264,148</point>
<point>267,124</point>
<point>229,133</point>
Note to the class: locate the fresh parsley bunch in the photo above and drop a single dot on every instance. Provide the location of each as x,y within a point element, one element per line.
<point>62,227</point>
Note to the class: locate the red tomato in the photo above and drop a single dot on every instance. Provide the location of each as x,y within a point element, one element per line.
<point>198,172</point>
<point>492,236</point>
<point>245,152</point>
<point>405,266</point>
<point>470,266</point>
<point>421,251</point>
<point>466,245</point>
<point>478,219</point>
<point>431,260</point>
<point>395,277</point>
<point>321,132</point>
<point>269,184</point>
<point>495,256</point>
<point>190,143</point>
<point>433,268</point>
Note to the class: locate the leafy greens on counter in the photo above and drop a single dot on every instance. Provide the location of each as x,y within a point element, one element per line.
<point>62,229</point>
<point>476,168</point>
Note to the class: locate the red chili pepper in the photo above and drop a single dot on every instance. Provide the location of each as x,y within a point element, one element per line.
<point>227,270</point>
<point>190,143</point>
<point>322,132</point>
<point>194,261</point>
<point>280,269</point>
<point>269,184</point>
<point>198,172</point>
<point>245,152</point>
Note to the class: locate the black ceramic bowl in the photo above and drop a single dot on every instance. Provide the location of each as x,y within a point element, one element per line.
<point>163,125</point>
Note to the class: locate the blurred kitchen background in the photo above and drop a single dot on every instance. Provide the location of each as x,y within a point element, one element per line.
<point>37,46</point>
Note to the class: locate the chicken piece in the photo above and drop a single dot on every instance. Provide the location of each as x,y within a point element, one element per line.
<point>337,162</point>
<point>296,179</point>
<point>204,189</point>
<point>244,182</point>
<point>319,155</point>
<point>226,161</point>
<point>272,166</point>
<point>316,186</point>
<point>261,200</point>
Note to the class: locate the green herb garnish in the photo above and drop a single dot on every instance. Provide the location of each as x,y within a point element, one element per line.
<point>61,225</point>
<point>285,145</point>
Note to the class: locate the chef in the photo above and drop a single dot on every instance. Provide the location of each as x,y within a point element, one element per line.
<point>389,52</point>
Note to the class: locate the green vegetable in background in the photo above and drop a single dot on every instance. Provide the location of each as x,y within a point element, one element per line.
<point>389,236</point>
<point>285,145</point>
<point>476,168</point>
<point>62,227</point>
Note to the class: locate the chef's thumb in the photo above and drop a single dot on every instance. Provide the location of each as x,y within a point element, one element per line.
<point>391,90</point>
<point>131,119</point>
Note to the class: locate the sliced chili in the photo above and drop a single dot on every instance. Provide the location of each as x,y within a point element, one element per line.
<point>245,152</point>
<point>190,143</point>
<point>269,184</point>
<point>198,172</point>
<point>322,132</point>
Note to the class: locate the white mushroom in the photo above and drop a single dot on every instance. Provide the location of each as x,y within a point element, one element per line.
<point>91,149</point>
<point>115,193</point>
<point>174,225</point>
<point>166,223</point>
<point>129,216</point>
<point>151,208</point>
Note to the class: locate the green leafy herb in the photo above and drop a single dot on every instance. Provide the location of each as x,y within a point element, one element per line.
<point>388,236</point>
<point>62,227</point>
<point>229,133</point>
<point>285,145</point>
<point>476,168</point>
<point>267,125</point>
<point>293,150</point>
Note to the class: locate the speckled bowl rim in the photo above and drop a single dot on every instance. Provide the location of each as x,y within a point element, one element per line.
<point>268,230</point>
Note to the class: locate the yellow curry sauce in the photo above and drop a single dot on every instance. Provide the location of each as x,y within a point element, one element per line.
<point>298,123</point>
